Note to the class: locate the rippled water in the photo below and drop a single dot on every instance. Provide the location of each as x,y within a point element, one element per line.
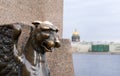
<point>96,65</point>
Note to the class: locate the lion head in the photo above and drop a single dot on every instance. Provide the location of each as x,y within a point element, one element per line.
<point>44,35</point>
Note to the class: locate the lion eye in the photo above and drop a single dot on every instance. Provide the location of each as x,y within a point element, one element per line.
<point>45,35</point>
<point>44,27</point>
<point>50,30</point>
<point>46,30</point>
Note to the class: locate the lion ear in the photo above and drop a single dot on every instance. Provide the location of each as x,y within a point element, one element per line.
<point>36,23</point>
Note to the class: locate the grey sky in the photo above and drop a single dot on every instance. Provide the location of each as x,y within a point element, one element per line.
<point>94,19</point>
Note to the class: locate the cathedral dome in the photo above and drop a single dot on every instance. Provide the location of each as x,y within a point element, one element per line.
<point>75,36</point>
<point>75,33</point>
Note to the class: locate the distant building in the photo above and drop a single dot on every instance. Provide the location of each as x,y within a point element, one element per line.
<point>96,46</point>
<point>75,37</point>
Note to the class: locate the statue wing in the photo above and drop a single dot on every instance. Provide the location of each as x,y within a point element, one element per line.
<point>9,34</point>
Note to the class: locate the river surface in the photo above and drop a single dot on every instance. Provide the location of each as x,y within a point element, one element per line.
<point>96,64</point>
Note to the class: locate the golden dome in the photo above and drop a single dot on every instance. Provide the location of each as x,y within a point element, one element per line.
<point>75,36</point>
<point>75,33</point>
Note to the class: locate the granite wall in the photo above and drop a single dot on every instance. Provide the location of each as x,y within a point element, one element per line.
<point>26,11</point>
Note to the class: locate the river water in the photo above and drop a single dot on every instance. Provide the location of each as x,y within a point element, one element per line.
<point>96,64</point>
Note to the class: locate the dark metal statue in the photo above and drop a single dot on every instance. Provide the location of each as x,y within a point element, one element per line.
<point>9,65</point>
<point>31,61</point>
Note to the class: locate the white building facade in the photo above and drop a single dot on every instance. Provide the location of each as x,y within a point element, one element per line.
<point>87,46</point>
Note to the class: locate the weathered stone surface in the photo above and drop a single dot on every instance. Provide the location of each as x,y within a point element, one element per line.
<point>26,11</point>
<point>60,61</point>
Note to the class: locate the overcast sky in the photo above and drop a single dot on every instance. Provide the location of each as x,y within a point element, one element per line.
<point>95,20</point>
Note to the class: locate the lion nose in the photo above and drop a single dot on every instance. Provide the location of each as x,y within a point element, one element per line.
<point>50,43</point>
<point>57,43</point>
